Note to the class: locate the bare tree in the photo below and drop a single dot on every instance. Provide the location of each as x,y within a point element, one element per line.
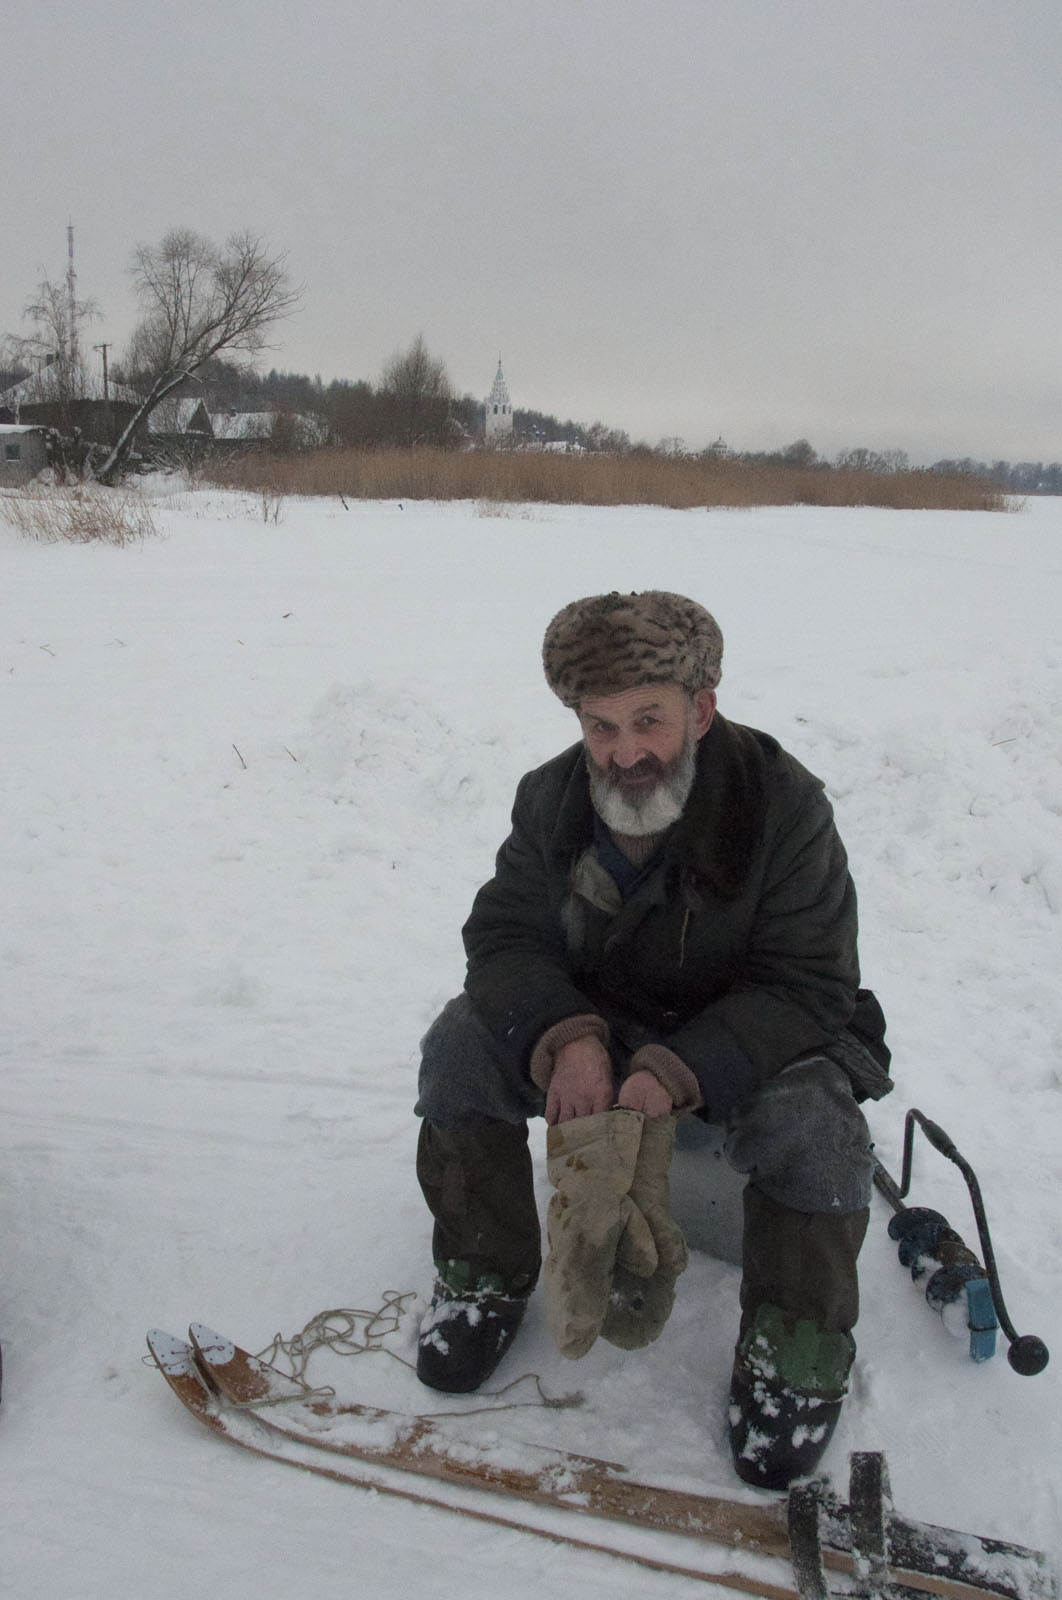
<point>608,441</point>
<point>415,394</point>
<point>860,459</point>
<point>197,299</point>
<point>52,349</point>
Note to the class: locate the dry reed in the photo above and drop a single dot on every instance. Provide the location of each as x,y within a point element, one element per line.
<point>526,477</point>
<point>81,513</point>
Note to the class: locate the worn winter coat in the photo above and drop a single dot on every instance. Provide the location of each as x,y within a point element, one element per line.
<point>736,947</point>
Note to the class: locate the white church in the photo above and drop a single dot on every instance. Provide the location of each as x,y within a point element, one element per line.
<point>499,428</point>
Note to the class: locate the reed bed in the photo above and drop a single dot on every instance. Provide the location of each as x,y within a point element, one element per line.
<point>523,477</point>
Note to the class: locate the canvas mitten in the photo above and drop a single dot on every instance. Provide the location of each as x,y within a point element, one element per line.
<point>591,1164</point>
<point>640,1304</point>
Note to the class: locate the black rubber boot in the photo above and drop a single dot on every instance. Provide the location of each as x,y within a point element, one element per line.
<point>788,1384</point>
<point>465,1335</point>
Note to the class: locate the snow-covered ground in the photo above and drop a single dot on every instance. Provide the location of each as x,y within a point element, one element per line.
<point>251,774</point>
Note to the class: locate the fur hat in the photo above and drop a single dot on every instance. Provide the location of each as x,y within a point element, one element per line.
<point>611,642</point>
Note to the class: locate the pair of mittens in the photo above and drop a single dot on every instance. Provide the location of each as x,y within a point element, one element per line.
<point>614,1249</point>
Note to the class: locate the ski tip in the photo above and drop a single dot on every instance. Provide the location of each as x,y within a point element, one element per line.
<point>211,1347</point>
<point>173,1356</point>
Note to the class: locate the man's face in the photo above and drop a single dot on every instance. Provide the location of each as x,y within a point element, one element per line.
<point>641,746</point>
<point>637,735</point>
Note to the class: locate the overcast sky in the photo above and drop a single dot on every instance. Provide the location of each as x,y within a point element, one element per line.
<point>766,219</point>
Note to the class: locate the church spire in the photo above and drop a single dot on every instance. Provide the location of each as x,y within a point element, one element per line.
<point>499,418</point>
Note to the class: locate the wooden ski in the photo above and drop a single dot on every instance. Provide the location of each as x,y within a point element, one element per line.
<point>246,1428</point>
<point>262,1409</point>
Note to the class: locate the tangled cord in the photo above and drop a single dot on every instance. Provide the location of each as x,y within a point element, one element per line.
<point>348,1331</point>
<point>338,1330</point>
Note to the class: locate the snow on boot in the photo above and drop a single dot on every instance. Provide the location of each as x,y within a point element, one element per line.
<point>465,1334</point>
<point>789,1380</point>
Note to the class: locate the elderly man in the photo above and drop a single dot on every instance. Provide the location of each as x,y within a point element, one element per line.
<point>671,929</point>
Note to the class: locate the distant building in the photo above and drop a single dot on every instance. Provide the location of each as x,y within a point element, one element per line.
<point>242,426</point>
<point>179,418</point>
<point>499,429</point>
<point>23,452</point>
<point>70,400</point>
<point>57,384</point>
<point>285,430</point>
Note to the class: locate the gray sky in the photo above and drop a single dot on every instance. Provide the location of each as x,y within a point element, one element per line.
<point>768,219</point>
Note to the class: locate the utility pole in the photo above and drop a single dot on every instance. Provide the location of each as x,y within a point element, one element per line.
<point>104,348</point>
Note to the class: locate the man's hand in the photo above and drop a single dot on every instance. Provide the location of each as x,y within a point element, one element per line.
<point>581,1084</point>
<point>644,1092</point>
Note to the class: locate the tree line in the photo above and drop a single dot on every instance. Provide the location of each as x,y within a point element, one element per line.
<point>412,402</point>
<point>205,313</point>
<point>1019,477</point>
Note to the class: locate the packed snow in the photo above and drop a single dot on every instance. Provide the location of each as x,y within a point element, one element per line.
<point>253,772</point>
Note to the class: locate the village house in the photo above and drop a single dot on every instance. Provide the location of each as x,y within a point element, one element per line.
<point>285,430</point>
<point>181,418</point>
<point>71,403</point>
<point>23,452</point>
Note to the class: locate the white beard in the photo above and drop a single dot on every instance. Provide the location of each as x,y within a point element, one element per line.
<point>637,813</point>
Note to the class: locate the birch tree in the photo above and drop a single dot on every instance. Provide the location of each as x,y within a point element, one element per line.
<point>52,349</point>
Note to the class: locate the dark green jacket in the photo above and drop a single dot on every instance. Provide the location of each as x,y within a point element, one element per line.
<point>736,948</point>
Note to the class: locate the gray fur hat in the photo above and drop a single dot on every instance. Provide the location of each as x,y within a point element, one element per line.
<point>611,642</point>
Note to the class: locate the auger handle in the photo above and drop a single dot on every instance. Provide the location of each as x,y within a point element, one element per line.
<point>1028,1354</point>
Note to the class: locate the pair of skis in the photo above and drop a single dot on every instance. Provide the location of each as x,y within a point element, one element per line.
<point>786,1547</point>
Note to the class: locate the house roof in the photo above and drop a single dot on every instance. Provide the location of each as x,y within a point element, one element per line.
<point>177,416</point>
<point>187,408</point>
<point>242,424</point>
<point>41,387</point>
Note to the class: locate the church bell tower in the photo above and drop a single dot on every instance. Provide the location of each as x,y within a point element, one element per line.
<point>499,411</point>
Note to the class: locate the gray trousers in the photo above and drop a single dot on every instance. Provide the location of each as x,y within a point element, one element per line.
<point>801,1139</point>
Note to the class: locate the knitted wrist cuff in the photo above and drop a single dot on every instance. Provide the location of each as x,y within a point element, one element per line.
<point>564,1032</point>
<point>672,1072</point>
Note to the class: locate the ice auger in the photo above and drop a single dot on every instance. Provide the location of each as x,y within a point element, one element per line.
<point>959,1286</point>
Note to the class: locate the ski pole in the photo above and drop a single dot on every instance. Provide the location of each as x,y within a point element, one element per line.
<point>923,1234</point>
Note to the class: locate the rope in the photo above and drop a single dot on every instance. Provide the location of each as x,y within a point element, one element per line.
<point>338,1330</point>
<point>348,1331</point>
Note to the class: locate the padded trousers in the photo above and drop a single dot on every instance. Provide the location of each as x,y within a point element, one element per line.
<point>801,1139</point>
